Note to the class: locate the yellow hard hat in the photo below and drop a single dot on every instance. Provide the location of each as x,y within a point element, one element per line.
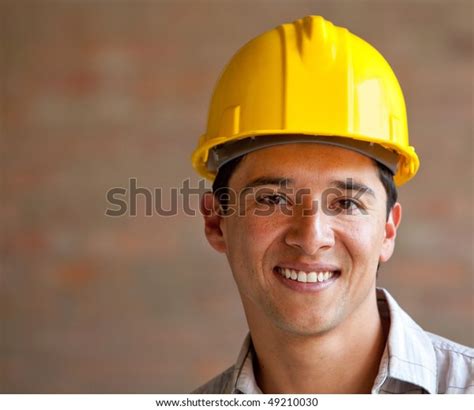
<point>307,81</point>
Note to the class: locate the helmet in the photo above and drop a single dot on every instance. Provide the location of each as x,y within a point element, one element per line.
<point>307,81</point>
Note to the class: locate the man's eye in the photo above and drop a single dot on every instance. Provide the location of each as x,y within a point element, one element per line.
<point>348,204</point>
<point>274,199</point>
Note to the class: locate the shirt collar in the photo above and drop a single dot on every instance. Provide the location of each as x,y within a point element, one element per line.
<point>408,357</point>
<point>243,378</point>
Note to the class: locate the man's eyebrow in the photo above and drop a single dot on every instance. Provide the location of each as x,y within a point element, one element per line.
<point>350,185</point>
<point>260,181</point>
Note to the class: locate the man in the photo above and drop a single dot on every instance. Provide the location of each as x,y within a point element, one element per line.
<point>306,142</point>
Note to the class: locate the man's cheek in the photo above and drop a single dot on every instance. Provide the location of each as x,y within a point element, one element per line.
<point>363,232</point>
<point>360,242</point>
<point>256,227</point>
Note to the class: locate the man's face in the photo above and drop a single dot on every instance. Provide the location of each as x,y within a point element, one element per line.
<point>319,224</point>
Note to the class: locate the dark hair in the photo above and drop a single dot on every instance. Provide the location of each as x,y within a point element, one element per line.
<point>220,186</point>
<point>386,177</point>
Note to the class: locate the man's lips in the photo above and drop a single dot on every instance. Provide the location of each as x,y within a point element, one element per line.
<point>311,277</point>
<point>307,268</point>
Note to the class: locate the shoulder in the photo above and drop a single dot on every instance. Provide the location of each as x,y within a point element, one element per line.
<point>220,384</point>
<point>455,365</point>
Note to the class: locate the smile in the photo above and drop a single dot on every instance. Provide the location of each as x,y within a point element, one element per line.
<point>305,277</point>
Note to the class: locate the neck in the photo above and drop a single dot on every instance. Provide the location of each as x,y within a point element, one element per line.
<point>343,360</point>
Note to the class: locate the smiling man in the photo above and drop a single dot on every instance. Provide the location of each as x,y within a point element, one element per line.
<point>306,142</point>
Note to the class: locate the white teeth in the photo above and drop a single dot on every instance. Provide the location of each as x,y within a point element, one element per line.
<point>301,276</point>
<point>312,277</point>
<point>304,277</point>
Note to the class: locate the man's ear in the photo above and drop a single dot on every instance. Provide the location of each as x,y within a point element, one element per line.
<point>212,214</point>
<point>391,226</point>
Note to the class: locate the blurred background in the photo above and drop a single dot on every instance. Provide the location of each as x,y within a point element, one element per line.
<point>94,93</point>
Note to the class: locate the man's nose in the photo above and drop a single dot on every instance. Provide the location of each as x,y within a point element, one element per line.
<point>311,230</point>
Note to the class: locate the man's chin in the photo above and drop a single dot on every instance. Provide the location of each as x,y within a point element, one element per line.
<point>314,327</point>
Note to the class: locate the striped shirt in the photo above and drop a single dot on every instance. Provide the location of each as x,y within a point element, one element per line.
<point>414,361</point>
